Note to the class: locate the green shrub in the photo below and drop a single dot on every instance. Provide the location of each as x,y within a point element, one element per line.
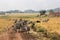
<point>54,36</point>
<point>41,29</point>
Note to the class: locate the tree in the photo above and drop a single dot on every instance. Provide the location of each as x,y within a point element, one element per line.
<point>42,12</point>
<point>51,11</point>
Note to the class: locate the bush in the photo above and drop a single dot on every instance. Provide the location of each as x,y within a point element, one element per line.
<point>41,29</point>
<point>54,36</point>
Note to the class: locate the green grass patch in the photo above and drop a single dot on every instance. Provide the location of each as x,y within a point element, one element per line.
<point>4,17</point>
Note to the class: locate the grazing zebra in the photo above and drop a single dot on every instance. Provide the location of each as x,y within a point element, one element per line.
<point>27,29</point>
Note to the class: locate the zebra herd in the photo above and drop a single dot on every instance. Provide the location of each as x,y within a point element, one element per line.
<point>21,25</point>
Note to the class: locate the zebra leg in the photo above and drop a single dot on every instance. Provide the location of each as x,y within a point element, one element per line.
<point>15,29</point>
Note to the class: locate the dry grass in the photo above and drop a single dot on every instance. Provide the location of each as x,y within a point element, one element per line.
<point>53,25</point>
<point>5,23</point>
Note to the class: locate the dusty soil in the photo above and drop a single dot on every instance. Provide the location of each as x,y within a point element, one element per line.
<point>11,35</point>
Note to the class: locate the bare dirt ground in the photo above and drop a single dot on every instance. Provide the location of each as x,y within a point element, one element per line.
<point>11,35</point>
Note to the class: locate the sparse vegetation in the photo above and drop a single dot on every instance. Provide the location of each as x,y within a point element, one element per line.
<point>49,30</point>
